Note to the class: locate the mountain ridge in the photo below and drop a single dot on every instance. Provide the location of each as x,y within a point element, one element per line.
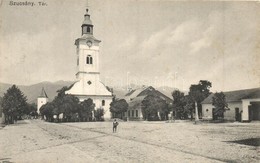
<point>33,91</point>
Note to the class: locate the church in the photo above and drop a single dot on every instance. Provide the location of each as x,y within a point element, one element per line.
<point>88,84</point>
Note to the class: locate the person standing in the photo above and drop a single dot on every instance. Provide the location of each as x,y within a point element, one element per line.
<point>115,124</point>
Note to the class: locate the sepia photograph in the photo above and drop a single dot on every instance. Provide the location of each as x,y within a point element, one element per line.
<point>86,81</point>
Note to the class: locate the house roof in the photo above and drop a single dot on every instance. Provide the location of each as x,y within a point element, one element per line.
<point>136,102</point>
<point>43,94</point>
<point>135,93</point>
<point>235,96</point>
<point>135,97</point>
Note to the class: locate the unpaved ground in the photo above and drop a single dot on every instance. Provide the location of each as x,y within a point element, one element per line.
<point>38,141</point>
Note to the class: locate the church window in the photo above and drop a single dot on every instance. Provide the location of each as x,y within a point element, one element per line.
<point>88,29</point>
<point>136,112</point>
<point>78,61</point>
<point>103,103</point>
<point>89,59</point>
<point>133,113</point>
<point>128,113</point>
<point>89,82</point>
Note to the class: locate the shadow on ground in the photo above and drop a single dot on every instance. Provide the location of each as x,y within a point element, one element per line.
<point>251,142</point>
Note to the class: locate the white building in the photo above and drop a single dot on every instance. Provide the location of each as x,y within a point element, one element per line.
<point>244,105</point>
<point>134,99</point>
<point>88,83</point>
<point>41,100</point>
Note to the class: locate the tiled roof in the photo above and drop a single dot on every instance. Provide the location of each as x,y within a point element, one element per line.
<point>136,102</point>
<point>135,93</point>
<point>234,96</point>
<point>135,97</point>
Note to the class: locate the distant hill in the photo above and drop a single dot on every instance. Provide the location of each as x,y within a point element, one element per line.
<point>33,91</point>
<point>167,91</point>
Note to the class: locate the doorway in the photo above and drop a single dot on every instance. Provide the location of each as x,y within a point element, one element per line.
<point>237,115</point>
<point>254,111</point>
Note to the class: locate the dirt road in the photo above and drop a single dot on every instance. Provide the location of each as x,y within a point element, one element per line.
<point>38,141</point>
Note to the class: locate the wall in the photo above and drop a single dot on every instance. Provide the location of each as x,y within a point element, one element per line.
<point>41,101</point>
<point>228,115</point>
<point>98,103</point>
<point>246,103</point>
<point>207,111</point>
<point>131,117</point>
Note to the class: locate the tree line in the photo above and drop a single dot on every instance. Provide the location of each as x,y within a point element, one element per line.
<point>68,108</point>
<point>184,106</point>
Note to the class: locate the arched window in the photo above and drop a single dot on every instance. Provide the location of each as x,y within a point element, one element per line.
<point>88,29</point>
<point>89,60</point>
<point>103,102</point>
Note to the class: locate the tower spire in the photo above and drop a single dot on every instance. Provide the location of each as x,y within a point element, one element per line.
<point>87,26</point>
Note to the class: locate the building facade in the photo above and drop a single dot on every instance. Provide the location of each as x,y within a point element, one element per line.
<point>88,84</point>
<point>41,100</point>
<point>243,105</point>
<point>134,99</point>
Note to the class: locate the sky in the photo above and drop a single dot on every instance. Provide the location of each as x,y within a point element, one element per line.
<point>144,42</point>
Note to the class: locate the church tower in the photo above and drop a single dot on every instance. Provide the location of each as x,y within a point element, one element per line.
<point>87,52</point>
<point>88,83</point>
<point>41,100</point>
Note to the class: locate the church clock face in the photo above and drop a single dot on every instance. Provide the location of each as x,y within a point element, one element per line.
<point>89,43</point>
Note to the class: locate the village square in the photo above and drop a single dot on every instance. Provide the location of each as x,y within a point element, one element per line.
<point>175,118</point>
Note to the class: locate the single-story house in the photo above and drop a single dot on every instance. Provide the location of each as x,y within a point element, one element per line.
<point>243,105</point>
<point>134,99</point>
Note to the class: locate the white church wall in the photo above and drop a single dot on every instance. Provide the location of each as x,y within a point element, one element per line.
<point>41,101</point>
<point>98,103</point>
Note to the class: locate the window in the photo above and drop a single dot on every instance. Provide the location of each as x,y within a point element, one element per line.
<point>136,113</point>
<point>128,113</point>
<point>133,113</point>
<point>89,59</point>
<point>88,29</point>
<point>103,103</point>
<point>78,61</point>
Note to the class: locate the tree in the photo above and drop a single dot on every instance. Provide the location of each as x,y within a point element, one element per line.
<point>199,92</point>
<point>189,105</point>
<point>86,109</point>
<point>178,105</point>
<point>99,113</point>
<point>65,104</point>
<point>32,110</point>
<point>118,107</point>
<point>69,106</point>
<point>46,111</point>
<point>220,104</point>
<point>151,106</point>
<point>14,104</point>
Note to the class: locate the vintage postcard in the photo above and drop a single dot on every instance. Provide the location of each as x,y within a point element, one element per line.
<point>129,81</point>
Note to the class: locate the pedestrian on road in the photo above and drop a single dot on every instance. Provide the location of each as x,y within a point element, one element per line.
<point>115,124</point>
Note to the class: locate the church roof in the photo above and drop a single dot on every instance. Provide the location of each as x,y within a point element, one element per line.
<point>86,37</point>
<point>236,96</point>
<point>43,94</point>
<point>87,20</point>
